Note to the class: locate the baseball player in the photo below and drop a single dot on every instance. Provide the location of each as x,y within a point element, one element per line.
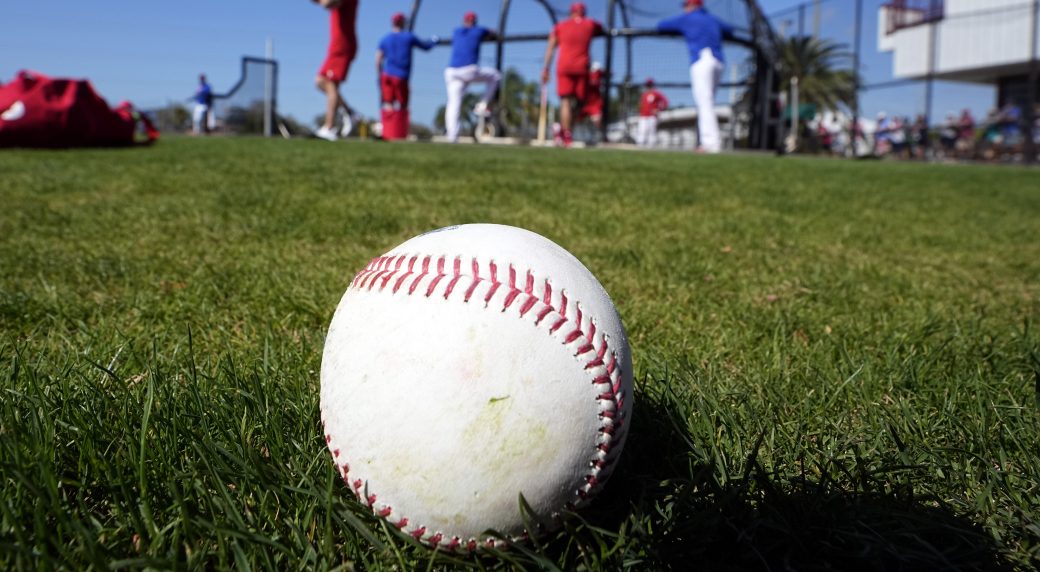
<point>333,72</point>
<point>593,105</point>
<point>704,34</point>
<point>394,67</point>
<point>574,36</point>
<point>651,103</point>
<point>203,112</point>
<point>465,69</point>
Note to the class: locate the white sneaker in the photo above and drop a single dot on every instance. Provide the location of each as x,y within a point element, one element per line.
<point>325,133</point>
<point>481,109</point>
<point>349,119</point>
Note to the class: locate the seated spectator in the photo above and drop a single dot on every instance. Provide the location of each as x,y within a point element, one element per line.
<point>966,134</point>
<point>948,135</point>
<point>919,137</point>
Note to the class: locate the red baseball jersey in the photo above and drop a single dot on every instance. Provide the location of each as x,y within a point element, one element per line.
<point>574,36</point>
<point>651,103</point>
<point>343,20</point>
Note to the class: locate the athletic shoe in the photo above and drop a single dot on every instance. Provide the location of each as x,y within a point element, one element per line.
<point>325,133</point>
<point>567,139</point>
<point>349,119</point>
<point>481,109</point>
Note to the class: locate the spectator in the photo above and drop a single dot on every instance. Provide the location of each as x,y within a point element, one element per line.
<point>897,137</point>
<point>919,137</point>
<point>965,134</point>
<point>948,135</point>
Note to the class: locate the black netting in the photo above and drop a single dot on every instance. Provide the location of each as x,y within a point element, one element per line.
<point>241,110</point>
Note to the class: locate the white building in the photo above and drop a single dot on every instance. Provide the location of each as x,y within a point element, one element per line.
<point>978,41</point>
<point>677,128</point>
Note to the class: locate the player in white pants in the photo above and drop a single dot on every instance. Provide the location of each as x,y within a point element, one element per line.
<point>704,34</point>
<point>465,69</point>
<point>705,74</point>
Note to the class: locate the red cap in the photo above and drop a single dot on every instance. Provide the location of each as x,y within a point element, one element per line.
<point>649,82</point>
<point>397,19</point>
<point>470,17</point>
<point>578,8</point>
<point>694,3</point>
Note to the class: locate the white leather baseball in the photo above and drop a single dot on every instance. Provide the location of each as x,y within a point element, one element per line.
<point>466,367</point>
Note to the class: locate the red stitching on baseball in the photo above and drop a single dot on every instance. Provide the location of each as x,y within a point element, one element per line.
<point>417,533</point>
<point>509,298</point>
<point>541,315</point>
<point>559,324</point>
<point>528,305</point>
<point>547,296</point>
<point>491,292</point>
<point>385,512</point>
<point>529,287</point>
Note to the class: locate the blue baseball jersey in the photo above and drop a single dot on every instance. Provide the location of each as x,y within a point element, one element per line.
<point>397,52</point>
<point>701,30</point>
<point>204,95</point>
<point>465,45</point>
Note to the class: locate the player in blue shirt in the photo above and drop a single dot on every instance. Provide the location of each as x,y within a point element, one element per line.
<point>201,115</point>
<point>465,69</point>
<point>394,62</point>
<point>704,34</point>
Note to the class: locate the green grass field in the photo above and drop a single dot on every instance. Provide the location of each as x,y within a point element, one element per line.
<point>837,363</point>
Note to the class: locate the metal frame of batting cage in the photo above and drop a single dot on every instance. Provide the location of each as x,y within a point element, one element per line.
<point>765,128</point>
<point>246,60</point>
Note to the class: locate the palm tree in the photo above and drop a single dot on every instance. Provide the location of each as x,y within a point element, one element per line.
<point>824,72</point>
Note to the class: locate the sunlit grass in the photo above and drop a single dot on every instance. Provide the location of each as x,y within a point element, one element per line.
<point>837,363</point>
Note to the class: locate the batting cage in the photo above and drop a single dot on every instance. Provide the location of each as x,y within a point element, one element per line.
<point>631,52</point>
<point>249,107</point>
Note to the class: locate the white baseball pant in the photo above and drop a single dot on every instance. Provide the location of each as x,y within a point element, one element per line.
<point>705,74</point>
<point>457,80</point>
<point>646,132</point>
<point>201,118</point>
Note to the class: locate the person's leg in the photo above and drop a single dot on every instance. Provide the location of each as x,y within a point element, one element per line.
<point>490,77</point>
<point>332,99</point>
<point>651,138</point>
<point>703,74</point>
<point>456,90</point>
<point>198,118</point>
<point>566,112</point>
<point>641,132</point>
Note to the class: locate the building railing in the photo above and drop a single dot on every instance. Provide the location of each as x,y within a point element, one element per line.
<point>909,13</point>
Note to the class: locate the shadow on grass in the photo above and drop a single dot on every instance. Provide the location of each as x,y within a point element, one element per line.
<point>680,515</point>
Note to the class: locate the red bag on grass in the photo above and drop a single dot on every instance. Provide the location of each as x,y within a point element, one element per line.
<point>39,111</point>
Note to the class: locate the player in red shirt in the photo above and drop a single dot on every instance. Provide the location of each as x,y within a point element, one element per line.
<point>651,103</point>
<point>593,106</point>
<point>342,49</point>
<point>574,36</point>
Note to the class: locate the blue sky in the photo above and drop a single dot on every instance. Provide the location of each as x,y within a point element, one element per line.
<point>152,52</point>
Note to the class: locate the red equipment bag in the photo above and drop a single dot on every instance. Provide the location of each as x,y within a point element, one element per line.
<point>395,124</point>
<point>39,111</point>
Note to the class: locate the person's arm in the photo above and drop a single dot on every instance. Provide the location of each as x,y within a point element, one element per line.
<point>598,29</point>
<point>727,30</point>
<point>550,49</point>
<point>662,102</point>
<point>379,63</point>
<point>670,25</point>
<point>424,45</point>
<point>489,35</point>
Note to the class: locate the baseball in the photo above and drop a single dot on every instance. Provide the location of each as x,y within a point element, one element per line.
<point>467,367</point>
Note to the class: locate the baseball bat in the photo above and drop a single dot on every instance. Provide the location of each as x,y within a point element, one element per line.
<point>543,113</point>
